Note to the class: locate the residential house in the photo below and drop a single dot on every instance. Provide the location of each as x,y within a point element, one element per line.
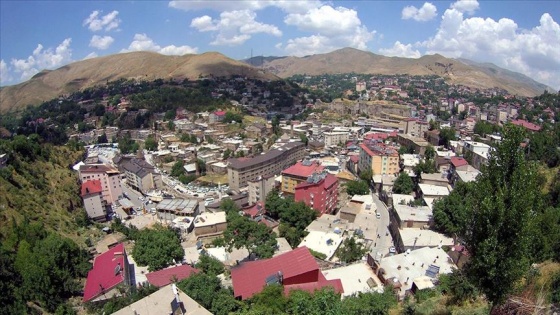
<point>141,176</point>
<point>335,138</point>
<point>527,125</point>
<point>93,200</point>
<point>216,117</point>
<point>380,158</point>
<point>169,275</point>
<point>417,144</point>
<point>298,173</point>
<point>171,209</point>
<point>210,223</point>
<point>320,192</point>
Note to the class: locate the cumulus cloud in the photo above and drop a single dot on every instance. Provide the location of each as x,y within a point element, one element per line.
<point>533,52</point>
<point>95,22</point>
<point>233,27</point>
<point>101,42</point>
<point>4,72</point>
<point>427,12</point>
<point>142,42</point>
<point>400,50</point>
<point>43,59</point>
<point>333,27</point>
<point>466,6</point>
<point>288,6</point>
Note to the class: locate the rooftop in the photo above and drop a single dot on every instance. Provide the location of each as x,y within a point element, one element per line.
<point>323,242</point>
<point>107,272</point>
<point>424,238</point>
<point>303,169</point>
<point>210,218</point>
<point>415,214</point>
<point>355,278</point>
<point>433,190</point>
<point>91,187</point>
<point>458,161</point>
<point>164,277</point>
<point>179,206</point>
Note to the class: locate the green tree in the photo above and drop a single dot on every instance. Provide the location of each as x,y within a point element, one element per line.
<point>504,200</point>
<point>403,184</point>
<point>357,187</point>
<point>102,138</point>
<point>446,135</point>
<point>351,250</point>
<point>451,213</point>
<point>157,248</point>
<point>366,175</point>
<point>150,144</point>
<point>430,152</point>
<point>270,300</point>
<point>458,287</point>
<point>210,265</point>
<point>243,232</point>
<point>178,168</point>
<point>227,154</point>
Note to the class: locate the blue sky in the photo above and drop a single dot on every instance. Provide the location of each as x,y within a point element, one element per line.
<point>522,36</point>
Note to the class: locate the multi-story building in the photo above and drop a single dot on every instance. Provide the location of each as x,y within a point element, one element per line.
<point>380,158</point>
<point>476,153</point>
<point>335,138</point>
<point>110,179</point>
<point>415,127</point>
<point>417,144</point>
<point>320,192</point>
<point>259,188</point>
<point>297,174</point>
<point>93,200</point>
<point>141,176</point>
<point>242,170</point>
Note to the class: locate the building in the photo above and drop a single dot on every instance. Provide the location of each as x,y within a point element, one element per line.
<point>260,187</point>
<point>415,127</point>
<point>296,269</point>
<point>166,276</point>
<point>320,192</point>
<point>405,216</point>
<point>216,117</point>
<point>356,278</point>
<point>476,153</point>
<point>110,180</point>
<point>527,125</point>
<point>323,242</point>
<point>110,270</point>
<point>141,176</point>
<point>210,223</point>
<point>166,300</point>
<point>415,238</point>
<point>418,145</point>
<point>93,200</point>
<point>335,138</point>
<point>242,170</point>
<point>170,209</point>
<point>297,174</point>
<point>378,157</point>
<point>437,179</point>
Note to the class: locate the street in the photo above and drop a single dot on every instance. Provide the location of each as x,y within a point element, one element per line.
<point>380,247</point>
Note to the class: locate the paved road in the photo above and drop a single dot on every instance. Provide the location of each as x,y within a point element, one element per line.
<point>382,244</point>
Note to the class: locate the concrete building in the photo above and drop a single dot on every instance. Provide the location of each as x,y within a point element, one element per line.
<point>405,216</point>
<point>415,238</point>
<point>170,209</point>
<point>380,158</point>
<point>93,200</point>
<point>320,192</point>
<point>109,177</point>
<point>356,278</point>
<point>417,144</point>
<point>297,174</point>
<point>335,138</point>
<point>259,188</point>
<point>140,175</point>
<point>415,127</point>
<point>210,223</point>
<point>242,170</point>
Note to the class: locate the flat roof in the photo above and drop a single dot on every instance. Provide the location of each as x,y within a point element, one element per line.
<point>433,190</point>
<point>327,223</point>
<point>184,206</point>
<point>322,242</point>
<point>239,163</point>
<point>210,218</point>
<point>468,176</point>
<point>416,214</point>
<point>283,246</point>
<point>424,238</point>
<point>355,278</point>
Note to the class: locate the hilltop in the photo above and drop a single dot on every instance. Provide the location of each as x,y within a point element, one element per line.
<point>455,71</point>
<point>148,66</point>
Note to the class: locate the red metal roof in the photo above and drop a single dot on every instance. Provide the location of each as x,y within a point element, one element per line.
<point>220,113</point>
<point>164,277</point>
<point>458,161</point>
<point>256,209</point>
<point>526,125</point>
<point>354,158</point>
<point>249,278</point>
<point>311,287</point>
<point>326,182</point>
<point>301,170</point>
<point>103,277</point>
<point>91,187</point>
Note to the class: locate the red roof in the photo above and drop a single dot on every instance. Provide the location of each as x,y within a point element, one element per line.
<point>220,113</point>
<point>327,182</point>
<point>376,136</point>
<point>164,277</point>
<point>354,158</point>
<point>527,125</point>
<point>311,287</point>
<point>301,170</point>
<point>91,187</point>
<point>249,278</point>
<point>458,161</point>
<point>103,277</point>
<point>256,209</point>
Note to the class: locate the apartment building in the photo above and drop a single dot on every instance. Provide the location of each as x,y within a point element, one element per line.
<point>242,170</point>
<point>140,175</point>
<point>109,177</point>
<point>418,145</point>
<point>335,137</point>
<point>259,188</point>
<point>93,200</point>
<point>415,127</point>
<point>320,192</point>
<point>379,157</point>
<point>297,174</point>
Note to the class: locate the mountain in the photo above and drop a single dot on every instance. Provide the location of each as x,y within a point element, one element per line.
<point>49,84</point>
<point>455,71</point>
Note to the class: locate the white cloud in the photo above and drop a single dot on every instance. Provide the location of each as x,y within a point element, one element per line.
<point>333,27</point>
<point>4,72</point>
<point>91,55</point>
<point>108,22</point>
<point>43,59</point>
<point>465,6</point>
<point>233,27</point>
<point>400,50</point>
<point>142,42</point>
<point>101,42</point>
<point>288,6</point>
<point>427,12</point>
<point>533,52</point>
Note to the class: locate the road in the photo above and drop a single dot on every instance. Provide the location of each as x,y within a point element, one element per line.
<point>385,241</point>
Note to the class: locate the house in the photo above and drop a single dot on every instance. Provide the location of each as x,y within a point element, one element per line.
<point>414,238</point>
<point>296,269</point>
<point>320,192</point>
<point>109,176</point>
<point>381,159</point>
<point>298,173</point>
<point>437,179</point>
<point>171,209</point>
<point>140,175</point>
<point>210,223</point>
<point>166,276</point>
<point>527,125</point>
<point>323,242</point>
<point>260,187</point>
<point>110,270</point>
<point>417,144</point>
<point>335,138</point>
<point>93,202</point>
<point>167,300</point>
<point>356,278</point>
<point>405,216</point>
<point>216,117</point>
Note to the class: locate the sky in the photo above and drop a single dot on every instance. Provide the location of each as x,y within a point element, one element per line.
<point>522,36</point>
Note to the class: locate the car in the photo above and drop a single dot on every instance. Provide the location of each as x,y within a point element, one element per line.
<point>392,250</point>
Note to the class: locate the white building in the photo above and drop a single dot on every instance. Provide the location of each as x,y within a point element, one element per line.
<point>335,137</point>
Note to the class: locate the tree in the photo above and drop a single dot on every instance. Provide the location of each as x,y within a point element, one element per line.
<point>227,154</point>
<point>451,213</point>
<point>351,250</point>
<point>150,144</point>
<point>102,138</point>
<point>403,184</point>
<point>458,287</point>
<point>243,232</point>
<point>178,168</point>
<point>446,135</point>
<point>366,175</point>
<point>505,198</point>
<point>157,248</point>
<point>357,187</point>
<point>430,152</point>
<point>304,139</point>
<point>210,265</point>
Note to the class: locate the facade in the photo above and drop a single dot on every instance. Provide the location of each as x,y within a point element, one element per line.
<point>93,200</point>
<point>320,192</point>
<point>380,158</point>
<point>210,223</point>
<point>297,174</point>
<point>416,127</point>
<point>259,188</point>
<point>417,144</point>
<point>141,176</point>
<point>109,177</point>
<point>242,170</point>
<point>336,137</point>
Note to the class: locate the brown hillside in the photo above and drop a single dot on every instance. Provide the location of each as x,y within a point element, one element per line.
<point>353,60</point>
<point>47,85</point>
